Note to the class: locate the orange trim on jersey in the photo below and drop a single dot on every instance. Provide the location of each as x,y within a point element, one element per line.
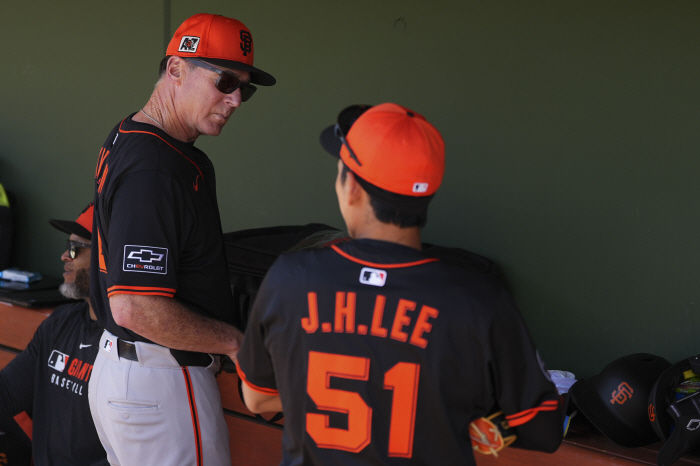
<point>264,391</point>
<point>25,422</point>
<point>195,415</point>
<point>154,134</point>
<point>102,180</point>
<point>141,290</point>
<point>103,264</point>
<point>383,266</point>
<point>167,295</point>
<point>522,417</point>
<point>103,155</point>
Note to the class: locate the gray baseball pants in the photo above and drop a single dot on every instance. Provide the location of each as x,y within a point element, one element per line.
<point>154,411</point>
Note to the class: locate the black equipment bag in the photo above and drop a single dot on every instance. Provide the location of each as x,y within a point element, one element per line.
<point>250,254</point>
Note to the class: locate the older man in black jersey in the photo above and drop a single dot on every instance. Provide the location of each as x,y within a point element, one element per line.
<point>50,377</point>
<point>160,283</point>
<point>376,352</point>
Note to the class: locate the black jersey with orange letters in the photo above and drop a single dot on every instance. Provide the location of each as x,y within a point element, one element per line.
<point>382,355</point>
<point>157,226</point>
<point>50,379</point>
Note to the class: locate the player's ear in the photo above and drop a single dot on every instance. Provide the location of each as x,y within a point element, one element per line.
<point>353,189</point>
<point>175,69</point>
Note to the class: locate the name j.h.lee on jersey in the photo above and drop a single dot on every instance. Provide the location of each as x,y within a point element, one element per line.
<point>77,369</point>
<point>344,319</point>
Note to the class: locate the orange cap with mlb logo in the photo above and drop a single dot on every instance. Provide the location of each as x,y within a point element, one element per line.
<point>390,147</point>
<point>218,40</point>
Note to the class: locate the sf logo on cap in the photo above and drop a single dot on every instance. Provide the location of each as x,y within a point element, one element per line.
<point>622,394</point>
<point>246,42</point>
<point>189,44</point>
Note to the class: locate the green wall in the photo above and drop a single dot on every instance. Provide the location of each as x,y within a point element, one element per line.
<point>571,131</point>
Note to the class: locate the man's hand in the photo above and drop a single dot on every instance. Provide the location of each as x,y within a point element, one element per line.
<point>238,337</point>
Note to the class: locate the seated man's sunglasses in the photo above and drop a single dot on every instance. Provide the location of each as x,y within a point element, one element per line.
<point>227,81</point>
<point>73,246</point>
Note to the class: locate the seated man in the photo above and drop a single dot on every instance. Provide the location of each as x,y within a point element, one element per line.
<point>376,352</point>
<point>50,377</point>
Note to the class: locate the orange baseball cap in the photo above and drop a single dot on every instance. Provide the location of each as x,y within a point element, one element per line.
<point>220,41</point>
<point>81,227</point>
<point>390,147</point>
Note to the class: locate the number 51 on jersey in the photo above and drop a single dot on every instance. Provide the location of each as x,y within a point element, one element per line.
<point>401,379</point>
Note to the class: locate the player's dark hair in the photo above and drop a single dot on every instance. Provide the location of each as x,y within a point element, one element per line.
<point>388,212</point>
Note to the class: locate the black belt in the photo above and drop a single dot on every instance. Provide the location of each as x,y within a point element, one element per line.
<point>184,358</point>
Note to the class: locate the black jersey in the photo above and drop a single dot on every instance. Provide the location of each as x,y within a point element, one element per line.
<point>382,355</point>
<point>157,226</point>
<point>50,380</point>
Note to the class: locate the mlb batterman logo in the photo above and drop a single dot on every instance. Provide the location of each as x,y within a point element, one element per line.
<point>374,277</point>
<point>420,187</point>
<point>58,360</point>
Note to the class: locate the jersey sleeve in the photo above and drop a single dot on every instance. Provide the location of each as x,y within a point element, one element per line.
<point>254,359</point>
<point>17,378</point>
<point>524,390</point>
<point>150,221</point>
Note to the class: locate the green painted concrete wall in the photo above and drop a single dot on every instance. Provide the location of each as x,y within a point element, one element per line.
<point>571,131</point>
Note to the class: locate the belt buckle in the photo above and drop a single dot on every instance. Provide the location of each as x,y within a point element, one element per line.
<point>127,350</point>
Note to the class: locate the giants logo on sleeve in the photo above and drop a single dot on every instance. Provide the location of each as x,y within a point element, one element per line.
<point>146,259</point>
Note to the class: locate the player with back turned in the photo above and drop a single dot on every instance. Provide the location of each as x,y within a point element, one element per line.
<point>377,353</point>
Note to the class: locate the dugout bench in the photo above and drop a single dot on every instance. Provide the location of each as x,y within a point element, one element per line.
<point>257,443</point>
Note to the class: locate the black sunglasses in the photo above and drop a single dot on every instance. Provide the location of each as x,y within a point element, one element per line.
<point>346,118</point>
<point>227,81</point>
<point>73,246</point>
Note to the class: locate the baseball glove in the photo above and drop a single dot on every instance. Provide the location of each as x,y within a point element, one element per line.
<point>489,435</point>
